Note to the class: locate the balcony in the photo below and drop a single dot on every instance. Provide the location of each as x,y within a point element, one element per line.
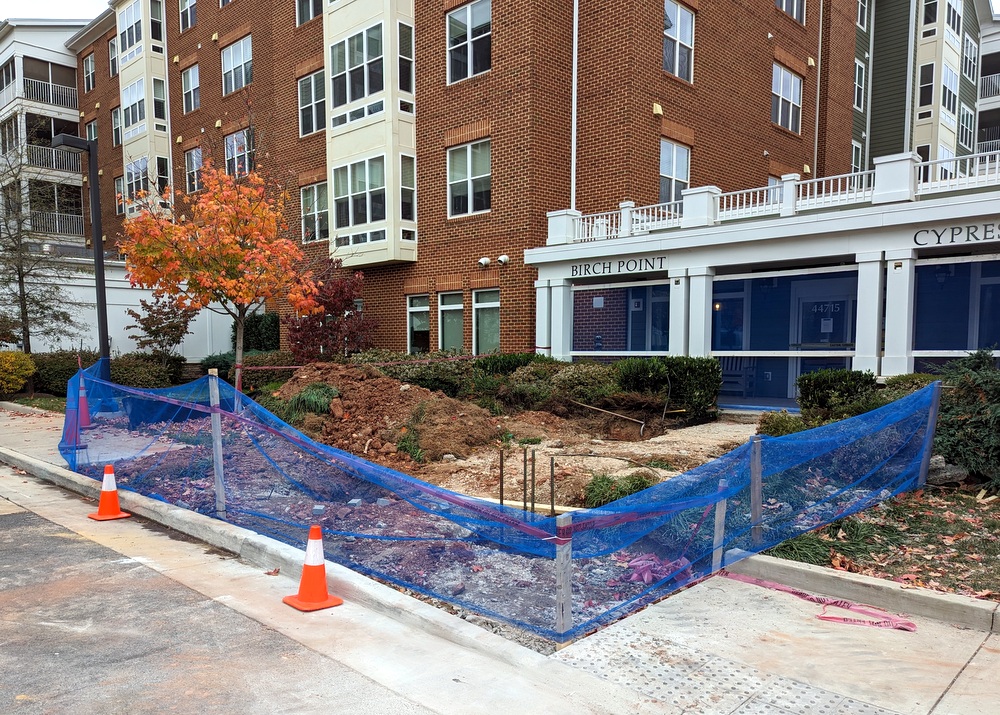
<point>896,178</point>
<point>56,223</point>
<point>45,157</point>
<point>57,94</point>
<point>989,86</point>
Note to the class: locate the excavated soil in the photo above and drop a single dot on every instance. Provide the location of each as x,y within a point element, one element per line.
<point>463,445</point>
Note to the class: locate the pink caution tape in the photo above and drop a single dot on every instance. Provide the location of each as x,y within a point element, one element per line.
<point>882,619</point>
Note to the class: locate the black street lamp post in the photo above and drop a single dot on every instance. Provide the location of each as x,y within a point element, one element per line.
<point>77,144</point>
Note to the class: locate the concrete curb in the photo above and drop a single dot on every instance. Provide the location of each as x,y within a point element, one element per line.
<point>268,553</point>
<point>24,409</point>
<point>951,608</point>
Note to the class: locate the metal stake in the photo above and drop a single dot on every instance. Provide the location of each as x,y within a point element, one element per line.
<point>220,487</point>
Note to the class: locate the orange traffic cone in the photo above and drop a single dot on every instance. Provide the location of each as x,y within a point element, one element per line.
<point>84,409</point>
<point>312,595</point>
<point>108,507</point>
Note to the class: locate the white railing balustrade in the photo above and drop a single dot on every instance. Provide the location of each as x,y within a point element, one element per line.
<point>748,203</point>
<point>597,227</point>
<point>50,222</point>
<point>988,147</point>
<point>659,216</point>
<point>49,158</point>
<point>989,86</point>
<point>7,94</point>
<point>835,190</point>
<point>963,172</point>
<point>49,93</point>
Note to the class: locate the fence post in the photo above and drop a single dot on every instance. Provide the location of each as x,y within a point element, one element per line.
<point>932,417</point>
<point>756,492</point>
<point>564,573</point>
<point>220,488</point>
<point>720,527</point>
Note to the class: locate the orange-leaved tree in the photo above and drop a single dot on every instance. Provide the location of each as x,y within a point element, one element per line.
<point>219,248</point>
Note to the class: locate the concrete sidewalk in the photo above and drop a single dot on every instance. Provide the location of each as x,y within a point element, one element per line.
<point>719,647</point>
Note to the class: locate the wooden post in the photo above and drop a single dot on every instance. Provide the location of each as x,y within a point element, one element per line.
<point>532,481</point>
<point>564,573</point>
<point>932,418</point>
<point>756,493</point>
<point>720,527</point>
<point>220,487</point>
<point>501,475</point>
<point>552,486</point>
<point>524,481</point>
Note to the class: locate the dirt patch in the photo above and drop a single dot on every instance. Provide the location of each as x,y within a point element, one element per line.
<point>460,446</point>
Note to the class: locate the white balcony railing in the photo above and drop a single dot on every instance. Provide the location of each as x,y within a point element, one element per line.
<point>7,94</point>
<point>988,147</point>
<point>56,223</point>
<point>835,190</point>
<point>896,178</point>
<point>989,86</point>
<point>964,172</point>
<point>749,203</point>
<point>49,158</point>
<point>49,93</point>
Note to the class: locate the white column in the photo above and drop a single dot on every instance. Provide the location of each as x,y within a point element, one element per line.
<point>899,283</point>
<point>679,311</point>
<point>625,225</point>
<point>895,178</point>
<point>868,317</point>
<point>701,206</point>
<point>562,227</point>
<point>789,193</point>
<point>700,320</point>
<point>561,331</point>
<point>543,318</point>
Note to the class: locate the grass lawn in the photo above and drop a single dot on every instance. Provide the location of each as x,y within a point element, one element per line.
<point>52,404</point>
<point>942,538</point>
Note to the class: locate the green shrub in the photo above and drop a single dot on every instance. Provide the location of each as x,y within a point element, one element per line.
<point>835,394</point>
<point>434,371</point>
<point>137,370</point>
<point>409,443</point>
<point>506,363</point>
<point>15,369</point>
<point>778,424</point>
<point>275,405</point>
<point>694,383</point>
<point>899,386</point>
<point>524,395</point>
<point>223,362</point>
<point>172,363</point>
<point>604,489</point>
<point>585,382</point>
<point>57,367</point>
<point>261,333</point>
<point>968,432</point>
<point>642,375</point>
<point>254,379</point>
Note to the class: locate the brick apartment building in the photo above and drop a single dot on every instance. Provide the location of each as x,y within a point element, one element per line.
<point>497,112</point>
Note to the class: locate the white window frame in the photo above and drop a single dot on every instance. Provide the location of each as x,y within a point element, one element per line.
<point>407,78</point>
<point>675,169</point>
<point>450,308</point>
<point>461,157</point>
<point>416,304</point>
<point>312,107</point>
<point>113,56</point>
<point>305,7</point>
<point>925,86</point>
<point>359,183</point>
<point>239,146</point>
<point>949,93</point>
<point>407,187</point>
<point>795,9</point>
<point>192,170</point>
<point>789,92</point>
<point>966,126</point>
<point>945,170</point>
<point>136,177</point>
<point>92,131</point>
<point>134,109</point>
<point>237,65</point>
<point>191,89</point>
<point>116,126</point>
<point>315,203</point>
<point>862,19</point>
<point>857,157</point>
<point>678,39</point>
<point>89,72</point>
<point>953,22</point>
<point>188,14</point>
<point>859,85</point>
<point>970,58</point>
<point>130,32</point>
<point>359,56</point>
<point>454,44</point>
<point>159,99</point>
<point>479,303</point>
<point>119,195</point>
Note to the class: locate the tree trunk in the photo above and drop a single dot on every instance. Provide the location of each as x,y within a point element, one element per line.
<point>22,306</point>
<point>240,321</point>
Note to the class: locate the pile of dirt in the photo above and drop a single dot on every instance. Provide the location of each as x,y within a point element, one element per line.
<point>461,445</point>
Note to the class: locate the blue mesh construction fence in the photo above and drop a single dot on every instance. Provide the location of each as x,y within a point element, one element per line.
<point>559,577</point>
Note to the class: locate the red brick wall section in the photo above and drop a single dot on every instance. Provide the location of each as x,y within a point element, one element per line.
<point>836,106</point>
